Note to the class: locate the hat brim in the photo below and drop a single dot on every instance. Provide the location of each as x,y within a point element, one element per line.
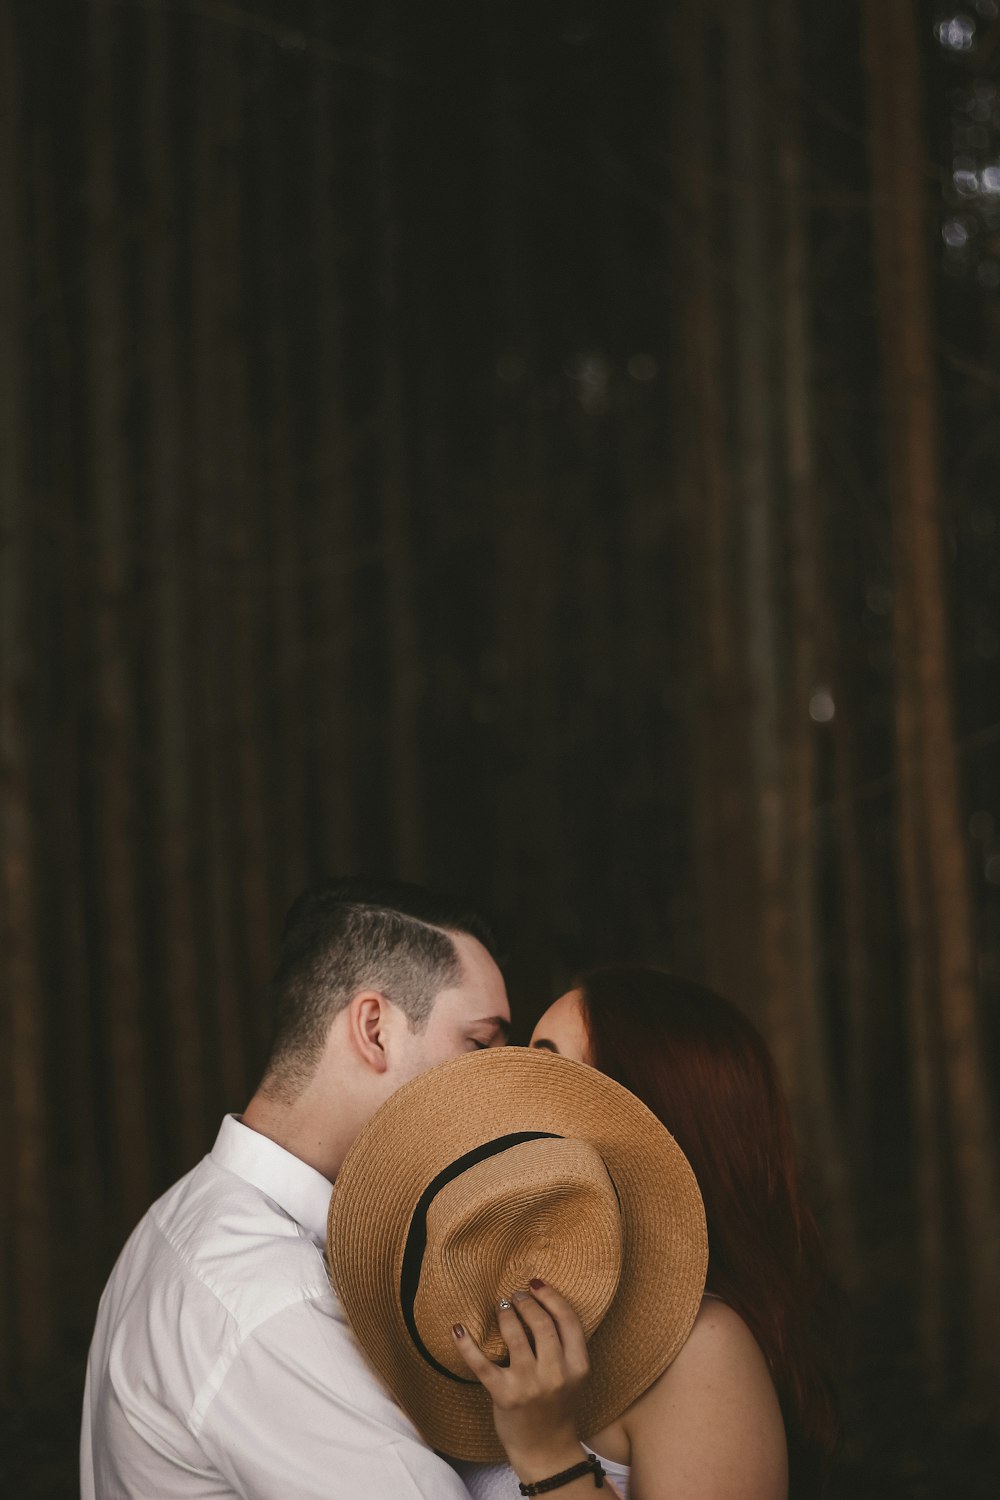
<point>438,1117</point>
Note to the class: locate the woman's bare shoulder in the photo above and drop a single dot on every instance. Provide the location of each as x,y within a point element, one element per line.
<point>719,1333</point>
<point>711,1424</point>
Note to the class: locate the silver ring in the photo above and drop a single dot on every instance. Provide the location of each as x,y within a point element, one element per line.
<point>505,1304</point>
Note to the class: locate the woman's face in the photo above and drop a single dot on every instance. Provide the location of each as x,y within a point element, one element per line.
<point>563,1028</point>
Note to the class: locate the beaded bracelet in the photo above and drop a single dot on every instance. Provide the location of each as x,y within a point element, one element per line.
<point>590,1465</point>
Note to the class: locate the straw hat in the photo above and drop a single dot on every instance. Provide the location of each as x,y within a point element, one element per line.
<point>484,1172</point>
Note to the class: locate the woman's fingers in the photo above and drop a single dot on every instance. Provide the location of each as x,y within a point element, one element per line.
<point>544,1338</point>
<point>484,1369</point>
<point>514,1336</point>
<point>513,1332</point>
<point>568,1326</point>
<point>543,1331</point>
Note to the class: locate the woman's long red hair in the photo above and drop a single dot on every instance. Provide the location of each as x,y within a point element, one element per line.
<point>706,1072</point>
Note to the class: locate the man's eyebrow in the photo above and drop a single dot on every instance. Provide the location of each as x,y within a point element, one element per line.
<point>544,1042</point>
<point>501,1024</point>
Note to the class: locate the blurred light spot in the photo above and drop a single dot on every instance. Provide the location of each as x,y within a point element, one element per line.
<point>988,8</point>
<point>642,367</point>
<point>988,275</point>
<point>511,367</point>
<point>589,373</point>
<point>821,706</point>
<point>989,180</point>
<point>878,598</point>
<point>992,869</point>
<point>955,234</point>
<point>957,34</point>
<point>966,181</point>
<point>981,826</point>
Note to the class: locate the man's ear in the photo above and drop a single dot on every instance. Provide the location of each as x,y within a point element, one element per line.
<point>368,1024</point>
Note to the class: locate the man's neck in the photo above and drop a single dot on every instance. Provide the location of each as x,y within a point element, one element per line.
<point>320,1138</point>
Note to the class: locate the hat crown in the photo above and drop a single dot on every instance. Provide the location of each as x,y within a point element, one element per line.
<point>545,1207</point>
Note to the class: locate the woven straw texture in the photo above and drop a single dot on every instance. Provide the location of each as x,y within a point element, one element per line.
<point>541,1208</point>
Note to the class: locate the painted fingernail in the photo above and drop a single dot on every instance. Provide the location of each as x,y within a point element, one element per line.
<point>520,1296</point>
<point>504,1304</point>
<point>535,1283</point>
<point>458,1330</point>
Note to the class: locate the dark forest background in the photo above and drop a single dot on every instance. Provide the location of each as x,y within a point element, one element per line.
<point>549,450</point>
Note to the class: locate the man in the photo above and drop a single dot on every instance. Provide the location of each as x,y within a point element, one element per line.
<point>221,1363</point>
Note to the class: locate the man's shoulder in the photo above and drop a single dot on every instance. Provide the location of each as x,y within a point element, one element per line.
<point>213,1245</point>
<point>228,1236</point>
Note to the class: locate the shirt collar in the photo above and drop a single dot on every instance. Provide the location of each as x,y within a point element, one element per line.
<point>298,1189</point>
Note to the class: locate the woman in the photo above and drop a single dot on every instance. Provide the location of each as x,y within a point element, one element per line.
<point>745,1411</point>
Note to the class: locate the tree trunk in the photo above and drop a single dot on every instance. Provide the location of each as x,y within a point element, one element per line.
<point>756,494</point>
<point>244,501</point>
<point>74,1040</point>
<point>172,529</point>
<point>855,936</point>
<point>27,1324</point>
<point>406,677</point>
<point>809,605</point>
<point>328,550</point>
<point>114,706</point>
<point>212,306</point>
<point>722,822</point>
<point>282,520</point>
<point>947,1047</point>
<point>528,832</point>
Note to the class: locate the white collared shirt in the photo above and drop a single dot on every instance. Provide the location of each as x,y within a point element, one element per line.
<point>222,1363</point>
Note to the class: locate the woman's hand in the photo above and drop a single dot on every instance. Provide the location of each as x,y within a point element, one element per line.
<point>535,1395</point>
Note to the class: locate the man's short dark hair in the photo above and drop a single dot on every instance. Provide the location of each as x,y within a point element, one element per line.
<point>342,936</point>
